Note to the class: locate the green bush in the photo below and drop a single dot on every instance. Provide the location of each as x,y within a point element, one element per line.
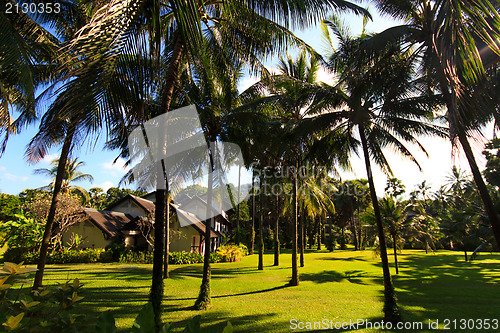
<point>183,258</point>
<point>133,257</point>
<point>215,257</point>
<point>232,252</point>
<point>69,256</point>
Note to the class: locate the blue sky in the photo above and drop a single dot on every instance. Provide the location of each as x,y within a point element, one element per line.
<point>16,174</point>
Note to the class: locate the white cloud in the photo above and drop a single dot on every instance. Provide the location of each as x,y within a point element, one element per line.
<point>2,168</point>
<point>49,158</point>
<point>106,185</point>
<point>14,178</point>
<point>115,169</point>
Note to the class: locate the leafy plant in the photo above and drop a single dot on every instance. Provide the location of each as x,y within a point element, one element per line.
<point>42,310</point>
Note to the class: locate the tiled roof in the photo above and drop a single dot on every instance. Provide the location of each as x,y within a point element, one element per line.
<point>111,223</point>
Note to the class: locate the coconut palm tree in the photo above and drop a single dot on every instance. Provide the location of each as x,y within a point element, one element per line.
<point>28,59</point>
<point>455,41</point>
<point>377,103</point>
<point>71,175</point>
<point>246,30</point>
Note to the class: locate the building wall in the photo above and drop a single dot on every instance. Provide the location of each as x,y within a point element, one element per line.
<point>92,235</point>
<point>129,207</point>
<point>181,238</point>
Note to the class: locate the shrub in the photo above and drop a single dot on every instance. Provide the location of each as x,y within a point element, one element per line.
<point>214,257</point>
<point>136,257</point>
<point>183,258</point>
<point>70,256</point>
<point>232,252</point>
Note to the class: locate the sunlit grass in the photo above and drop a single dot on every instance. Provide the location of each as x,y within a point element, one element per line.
<point>338,286</point>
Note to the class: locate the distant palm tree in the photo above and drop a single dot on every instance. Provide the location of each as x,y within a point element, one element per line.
<point>71,175</point>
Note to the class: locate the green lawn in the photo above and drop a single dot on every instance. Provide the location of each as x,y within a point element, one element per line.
<point>337,286</point>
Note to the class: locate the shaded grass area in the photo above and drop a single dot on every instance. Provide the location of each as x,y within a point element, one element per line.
<point>338,286</point>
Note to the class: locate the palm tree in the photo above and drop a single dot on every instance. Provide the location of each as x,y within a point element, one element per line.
<point>242,30</point>
<point>455,40</point>
<point>28,59</point>
<point>71,175</point>
<point>379,97</point>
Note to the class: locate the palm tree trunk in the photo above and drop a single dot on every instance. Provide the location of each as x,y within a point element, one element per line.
<point>252,231</point>
<point>302,234</point>
<point>395,252</point>
<point>319,233</point>
<point>66,148</point>
<point>204,299</point>
<point>481,186</point>
<point>261,234</point>
<point>172,74</point>
<point>276,235</point>
<point>451,105</point>
<point>167,237</point>
<point>156,293</point>
<point>391,311</point>
<point>237,238</point>
<point>295,270</point>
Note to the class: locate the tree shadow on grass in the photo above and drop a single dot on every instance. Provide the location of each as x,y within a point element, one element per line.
<point>354,276</point>
<point>228,295</point>
<point>446,287</point>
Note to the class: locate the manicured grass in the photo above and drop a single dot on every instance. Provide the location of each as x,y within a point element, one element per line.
<point>337,286</point>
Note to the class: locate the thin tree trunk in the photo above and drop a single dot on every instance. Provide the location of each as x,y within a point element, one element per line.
<point>319,233</point>
<point>465,254</point>
<point>481,186</point>
<point>452,106</point>
<point>391,310</point>
<point>295,270</point>
<point>261,227</point>
<point>166,274</point>
<point>66,148</point>
<point>156,293</point>
<point>204,298</point>
<point>252,231</point>
<point>395,252</point>
<point>276,235</point>
<point>237,238</point>
<point>302,234</point>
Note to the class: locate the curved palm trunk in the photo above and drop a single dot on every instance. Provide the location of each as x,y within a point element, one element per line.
<point>66,148</point>
<point>261,234</point>
<point>391,311</point>
<point>481,186</point>
<point>295,270</point>
<point>276,235</point>
<point>451,105</point>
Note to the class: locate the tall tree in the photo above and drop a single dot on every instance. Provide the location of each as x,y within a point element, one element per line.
<point>456,40</point>
<point>379,98</point>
